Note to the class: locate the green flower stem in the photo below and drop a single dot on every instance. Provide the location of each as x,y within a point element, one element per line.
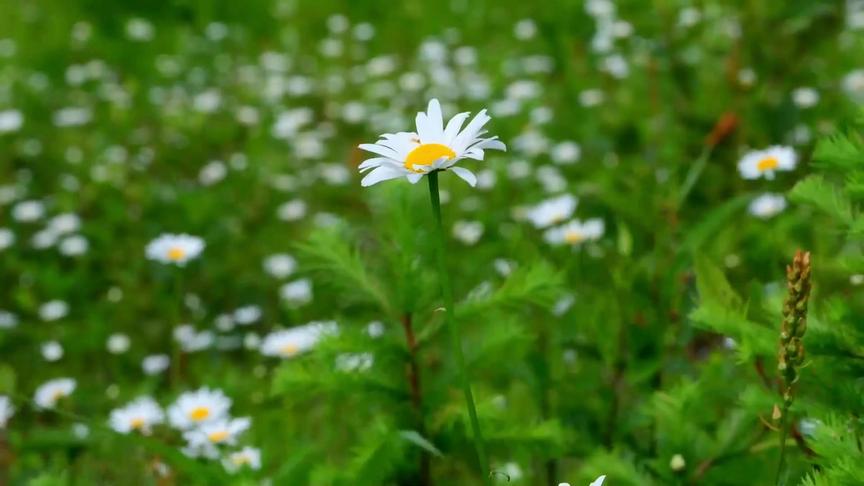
<point>784,429</point>
<point>453,327</point>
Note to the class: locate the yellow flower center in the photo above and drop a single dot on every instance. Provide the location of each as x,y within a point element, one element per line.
<point>137,423</point>
<point>768,163</point>
<point>427,154</point>
<point>57,395</point>
<point>289,349</point>
<point>176,253</point>
<point>573,237</point>
<point>240,459</point>
<point>216,437</point>
<point>199,413</point>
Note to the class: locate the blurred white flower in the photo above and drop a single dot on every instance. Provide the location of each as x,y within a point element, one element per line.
<point>140,415</point>
<point>247,315</point>
<point>7,410</point>
<point>511,473</point>
<point>212,173</point>
<point>245,457</point>
<point>764,163</point>
<point>552,211</point>
<point>287,343</point>
<point>28,211</point>
<point>52,351</point>
<point>591,97</point>
<point>74,245</point>
<point>280,265</point>
<point>525,29</point>
<point>53,310</point>
<point>805,97</point>
<point>575,232</point>
<point>853,84</point>
<point>208,101</point>
<point>174,249</point>
<point>65,223</point>
<point>193,409</point>
<point>677,463</point>
<point>204,440</point>
<point>767,205</point>
<point>50,392</point>
<point>8,320</point>
<point>155,364</point>
<point>192,340</point>
<point>468,232</point>
<point>298,292</point>
<point>567,152</point>
<point>354,362</point>
<point>139,29</point>
<point>118,343</point>
<point>292,210</point>
<point>7,238</point>
<point>375,329</point>
<point>597,482</point>
<point>10,121</point>
<point>72,116</point>
<point>433,148</point>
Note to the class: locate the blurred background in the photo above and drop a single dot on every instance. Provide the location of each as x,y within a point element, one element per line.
<point>238,122</point>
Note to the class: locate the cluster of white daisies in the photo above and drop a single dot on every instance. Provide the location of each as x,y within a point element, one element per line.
<point>765,164</point>
<point>203,419</point>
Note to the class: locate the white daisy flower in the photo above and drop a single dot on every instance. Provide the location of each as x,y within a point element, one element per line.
<point>216,433</point>
<point>575,232</point>
<point>433,147</point>
<point>246,457</point>
<point>176,249</point>
<point>767,205</point>
<point>280,265</point>
<point>759,163</point>
<point>297,293</point>
<point>155,364</point>
<point>468,232</point>
<point>118,343</point>
<point>195,408</point>
<point>52,351</point>
<point>552,211</point>
<point>288,343</point>
<point>53,310</point>
<point>139,415</point>
<point>6,410</point>
<point>597,482</point>
<point>10,121</point>
<point>51,391</point>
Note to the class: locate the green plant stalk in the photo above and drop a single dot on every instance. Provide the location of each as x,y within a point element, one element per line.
<point>453,327</point>
<point>784,430</point>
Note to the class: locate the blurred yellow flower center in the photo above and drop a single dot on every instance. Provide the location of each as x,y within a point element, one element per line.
<point>289,349</point>
<point>137,423</point>
<point>427,154</point>
<point>239,459</point>
<point>768,163</point>
<point>57,395</point>
<point>573,237</point>
<point>176,253</point>
<point>199,413</point>
<point>219,436</point>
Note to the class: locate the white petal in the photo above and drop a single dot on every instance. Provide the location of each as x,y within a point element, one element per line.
<point>435,120</point>
<point>468,135</point>
<point>492,144</point>
<point>370,163</point>
<point>382,173</point>
<point>466,175</point>
<point>413,178</point>
<point>380,150</point>
<point>453,127</point>
<point>598,481</point>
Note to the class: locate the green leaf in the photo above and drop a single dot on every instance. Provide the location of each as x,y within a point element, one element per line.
<point>415,438</point>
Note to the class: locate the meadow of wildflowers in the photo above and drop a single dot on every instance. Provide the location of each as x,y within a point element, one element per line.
<point>418,243</point>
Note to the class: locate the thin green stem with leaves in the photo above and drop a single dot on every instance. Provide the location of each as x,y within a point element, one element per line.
<point>453,327</point>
